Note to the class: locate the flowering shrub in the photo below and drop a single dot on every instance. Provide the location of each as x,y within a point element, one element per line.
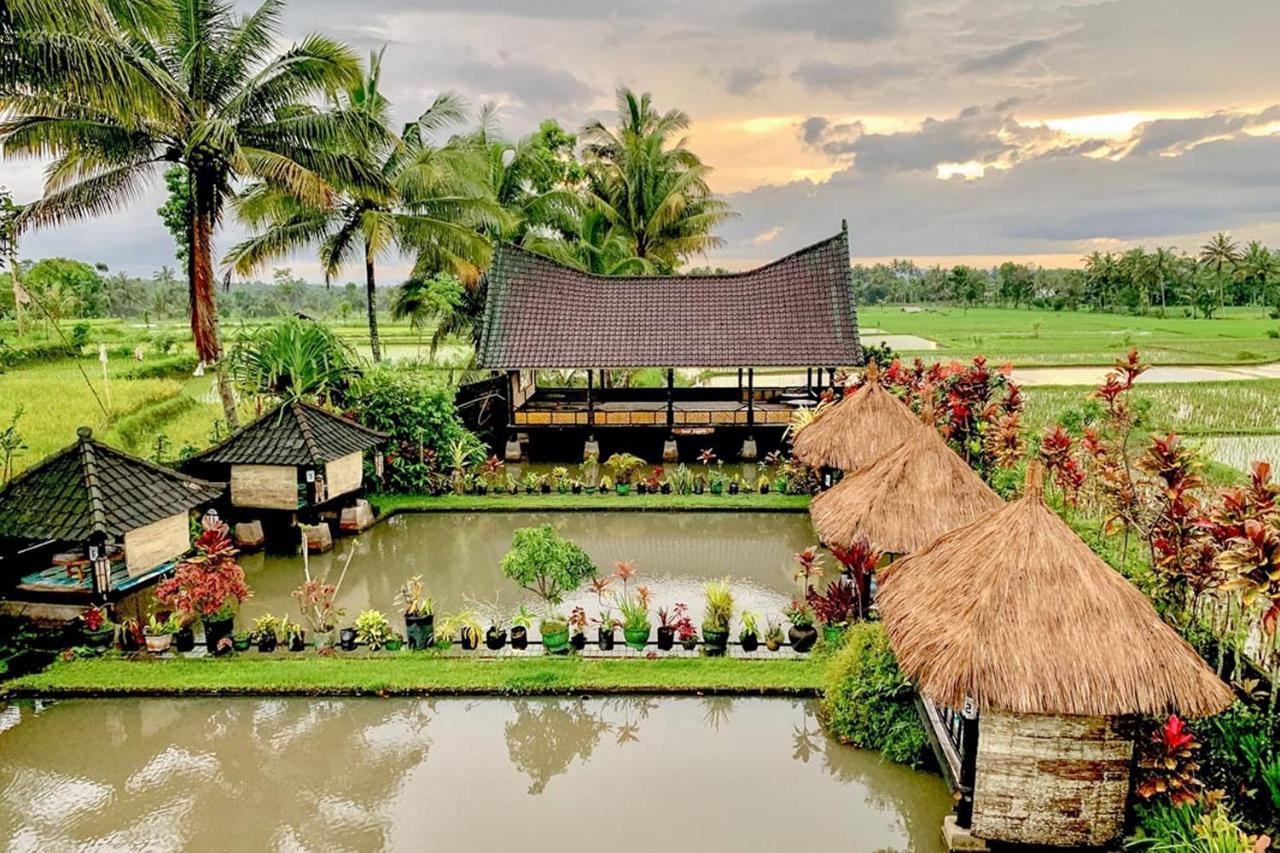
<point>209,585</point>
<point>1167,767</point>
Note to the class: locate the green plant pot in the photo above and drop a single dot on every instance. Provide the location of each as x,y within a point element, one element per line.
<point>623,488</point>
<point>832,634</point>
<point>420,631</point>
<point>99,638</point>
<point>717,488</point>
<point>241,644</point>
<point>393,645</point>
<point>714,643</point>
<point>636,638</point>
<point>556,643</point>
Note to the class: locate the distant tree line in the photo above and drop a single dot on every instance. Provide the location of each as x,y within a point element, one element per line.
<point>1135,281</point>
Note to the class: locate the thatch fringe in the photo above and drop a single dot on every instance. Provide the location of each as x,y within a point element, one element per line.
<point>904,500</point>
<point>857,430</point>
<point>1016,612</point>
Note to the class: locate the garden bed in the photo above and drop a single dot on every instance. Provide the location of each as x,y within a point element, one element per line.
<point>404,673</point>
<point>595,502</point>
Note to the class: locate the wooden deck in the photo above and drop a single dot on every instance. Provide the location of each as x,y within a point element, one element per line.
<point>626,413</point>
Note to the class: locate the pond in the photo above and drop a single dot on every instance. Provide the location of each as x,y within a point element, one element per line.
<point>458,555</point>
<point>535,775</point>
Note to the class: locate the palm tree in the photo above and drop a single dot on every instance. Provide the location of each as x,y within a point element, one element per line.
<point>1162,268</point>
<point>593,246</point>
<point>649,186</point>
<point>427,200</point>
<point>1137,266</point>
<point>118,91</point>
<point>1217,254</point>
<point>443,304</point>
<point>1258,268</point>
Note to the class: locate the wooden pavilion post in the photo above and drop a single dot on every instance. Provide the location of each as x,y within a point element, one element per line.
<point>671,410</point>
<point>751,396</point>
<point>968,762</point>
<point>808,380</point>
<point>591,404</point>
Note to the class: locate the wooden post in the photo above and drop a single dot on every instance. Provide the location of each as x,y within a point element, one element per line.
<point>671,406</point>
<point>511,398</point>
<point>968,762</point>
<point>751,396</point>
<point>591,405</point>
<point>739,383</point>
<point>808,380</point>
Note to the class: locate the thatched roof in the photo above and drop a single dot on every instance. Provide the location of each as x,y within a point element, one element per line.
<point>857,430</point>
<point>1018,613</point>
<point>905,499</point>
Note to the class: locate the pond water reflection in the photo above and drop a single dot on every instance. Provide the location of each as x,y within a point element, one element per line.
<point>628,774</point>
<point>458,555</point>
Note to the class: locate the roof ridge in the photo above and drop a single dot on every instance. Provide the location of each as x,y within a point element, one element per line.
<point>163,470</point>
<point>304,426</point>
<point>89,476</point>
<point>343,419</point>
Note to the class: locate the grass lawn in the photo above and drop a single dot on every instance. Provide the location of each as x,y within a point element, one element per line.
<point>1035,337</point>
<point>418,673</point>
<point>386,504</point>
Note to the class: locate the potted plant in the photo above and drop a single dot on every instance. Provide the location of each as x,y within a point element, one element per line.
<point>347,639</point>
<point>578,628</point>
<point>159,633</point>
<point>184,639</point>
<point>686,633</point>
<point>372,629</point>
<point>717,479</point>
<point>550,566</point>
<point>634,610</point>
<point>608,624</point>
<point>241,640</point>
<point>749,636</point>
<point>554,630</point>
<point>717,616</point>
<point>267,629</point>
<point>419,613</point>
<point>293,634</point>
<point>465,626</point>
<point>834,609</point>
<point>96,628</point>
<point>623,467</point>
<point>521,622</point>
<point>560,479</point>
<point>316,604</point>
<point>802,634</point>
<point>735,485</point>
<point>773,636</point>
<point>395,642</point>
<point>576,487</point>
<point>513,487</point>
<point>496,637</point>
<point>762,485</point>
<point>667,622</point>
<point>209,585</point>
<point>129,635</point>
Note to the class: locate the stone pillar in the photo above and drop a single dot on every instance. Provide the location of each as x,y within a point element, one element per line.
<point>590,450</point>
<point>356,518</point>
<point>749,452</point>
<point>514,452</point>
<point>318,538</point>
<point>670,451</point>
<point>249,535</point>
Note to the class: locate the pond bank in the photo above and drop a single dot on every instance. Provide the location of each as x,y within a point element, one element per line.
<point>418,674</point>
<point>390,504</point>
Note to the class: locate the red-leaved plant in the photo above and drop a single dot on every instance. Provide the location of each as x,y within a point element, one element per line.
<point>1166,765</point>
<point>209,585</point>
<point>858,562</point>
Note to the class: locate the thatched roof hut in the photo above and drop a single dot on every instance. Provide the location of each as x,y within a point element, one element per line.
<point>1016,612</point>
<point>857,430</point>
<point>905,499</point>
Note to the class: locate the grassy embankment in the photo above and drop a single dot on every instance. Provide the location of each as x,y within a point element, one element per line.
<point>416,673</point>
<point>388,504</point>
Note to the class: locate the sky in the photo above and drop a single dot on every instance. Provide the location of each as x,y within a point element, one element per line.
<point>941,130</point>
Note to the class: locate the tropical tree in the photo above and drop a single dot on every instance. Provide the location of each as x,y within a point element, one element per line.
<point>594,246</point>
<point>443,304</point>
<point>428,200</point>
<point>293,359</point>
<point>1258,270</point>
<point>649,186</point>
<point>118,90</point>
<point>1220,254</point>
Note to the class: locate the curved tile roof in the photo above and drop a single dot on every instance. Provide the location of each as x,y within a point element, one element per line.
<point>797,311</point>
<point>295,433</point>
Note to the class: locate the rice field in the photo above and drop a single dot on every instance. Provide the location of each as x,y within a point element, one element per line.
<point>1241,451</point>
<point>1192,408</point>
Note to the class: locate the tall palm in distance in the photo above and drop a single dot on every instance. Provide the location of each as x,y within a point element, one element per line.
<point>118,91</point>
<point>649,185</point>
<point>1220,254</point>
<point>430,202</point>
<point>1258,271</point>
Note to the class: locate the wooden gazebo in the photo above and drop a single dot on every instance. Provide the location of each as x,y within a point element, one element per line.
<point>296,456</point>
<point>545,322</point>
<point>856,430</point>
<point>1027,649</point>
<point>905,499</point>
<point>90,524</point>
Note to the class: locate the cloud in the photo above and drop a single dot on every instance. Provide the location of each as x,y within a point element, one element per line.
<point>1004,58</point>
<point>1174,135</point>
<point>532,85</point>
<point>818,75</point>
<point>831,20</point>
<point>744,80</point>
<point>766,236</point>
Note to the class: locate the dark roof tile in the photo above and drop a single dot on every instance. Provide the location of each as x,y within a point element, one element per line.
<point>295,433</point>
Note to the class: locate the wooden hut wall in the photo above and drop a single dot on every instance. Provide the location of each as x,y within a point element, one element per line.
<point>149,546</point>
<point>1052,780</point>
<point>264,486</point>
<point>523,385</point>
<point>345,474</point>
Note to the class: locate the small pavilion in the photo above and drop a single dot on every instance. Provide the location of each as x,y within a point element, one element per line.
<point>297,456</point>
<point>545,324</point>
<point>856,430</point>
<point>90,524</point>
<point>1028,650</point>
<point>905,499</point>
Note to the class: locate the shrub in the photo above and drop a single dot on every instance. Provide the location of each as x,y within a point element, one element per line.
<point>419,415</point>
<point>166,367</point>
<point>866,700</point>
<point>546,564</point>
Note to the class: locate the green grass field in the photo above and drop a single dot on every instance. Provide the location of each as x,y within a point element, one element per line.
<point>1034,337</point>
<point>385,673</point>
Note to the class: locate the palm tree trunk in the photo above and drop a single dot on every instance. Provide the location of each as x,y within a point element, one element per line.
<point>371,294</point>
<point>203,296</point>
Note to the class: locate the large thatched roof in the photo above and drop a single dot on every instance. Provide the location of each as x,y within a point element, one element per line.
<point>857,430</point>
<point>905,499</point>
<point>1018,613</point>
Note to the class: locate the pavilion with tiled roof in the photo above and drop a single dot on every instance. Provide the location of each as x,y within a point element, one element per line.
<point>297,455</point>
<point>92,522</point>
<point>792,317</point>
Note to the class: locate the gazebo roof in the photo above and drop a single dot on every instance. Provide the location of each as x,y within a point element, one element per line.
<point>1016,612</point>
<point>856,430</point>
<point>905,499</point>
<point>797,311</point>
<point>90,488</point>
<point>294,433</point>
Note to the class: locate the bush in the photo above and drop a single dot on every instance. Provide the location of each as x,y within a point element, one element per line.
<point>419,415</point>
<point>866,700</point>
<point>546,564</point>
<point>167,367</point>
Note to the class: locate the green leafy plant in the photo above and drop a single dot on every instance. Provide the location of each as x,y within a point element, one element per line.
<point>867,702</point>
<point>412,598</point>
<point>268,625</point>
<point>465,624</point>
<point>159,627</point>
<point>751,624</point>
<point>719,606</point>
<point>523,618</point>
<point>546,564</point>
<point>373,628</point>
<point>622,467</point>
